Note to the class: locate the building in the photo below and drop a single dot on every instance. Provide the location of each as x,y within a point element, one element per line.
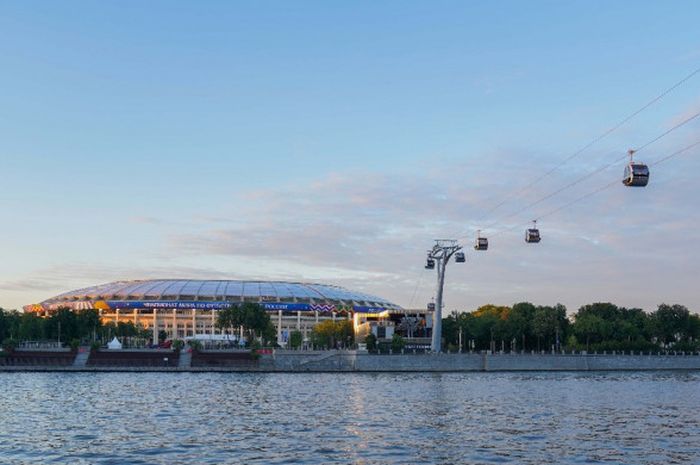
<point>187,309</point>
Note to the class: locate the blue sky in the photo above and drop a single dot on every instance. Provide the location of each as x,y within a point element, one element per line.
<point>332,142</point>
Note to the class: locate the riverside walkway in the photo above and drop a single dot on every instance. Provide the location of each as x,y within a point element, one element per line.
<point>355,361</point>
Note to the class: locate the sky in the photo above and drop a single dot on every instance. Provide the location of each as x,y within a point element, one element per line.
<point>334,141</point>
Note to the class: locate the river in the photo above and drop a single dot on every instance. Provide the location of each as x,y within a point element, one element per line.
<point>222,418</point>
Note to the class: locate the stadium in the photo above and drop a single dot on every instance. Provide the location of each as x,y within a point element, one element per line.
<point>187,309</point>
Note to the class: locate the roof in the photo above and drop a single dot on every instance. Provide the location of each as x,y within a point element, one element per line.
<point>223,291</point>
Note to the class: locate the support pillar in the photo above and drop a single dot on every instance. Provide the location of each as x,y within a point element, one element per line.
<point>136,317</point>
<point>298,320</point>
<point>155,326</point>
<point>279,327</point>
<point>116,316</point>
<point>194,322</point>
<point>173,333</point>
<point>436,342</point>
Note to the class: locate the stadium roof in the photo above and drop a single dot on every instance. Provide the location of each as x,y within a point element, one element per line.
<point>197,293</point>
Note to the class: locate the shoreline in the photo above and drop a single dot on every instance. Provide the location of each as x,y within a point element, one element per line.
<point>354,362</point>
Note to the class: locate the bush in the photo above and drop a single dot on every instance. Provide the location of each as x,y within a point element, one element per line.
<point>9,345</point>
<point>397,343</point>
<point>296,339</point>
<point>74,344</point>
<point>178,344</point>
<point>95,346</point>
<point>196,345</point>
<point>371,341</point>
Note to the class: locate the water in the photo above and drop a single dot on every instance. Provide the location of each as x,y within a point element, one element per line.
<point>216,418</point>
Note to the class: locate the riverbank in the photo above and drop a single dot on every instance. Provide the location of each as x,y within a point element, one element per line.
<point>353,361</point>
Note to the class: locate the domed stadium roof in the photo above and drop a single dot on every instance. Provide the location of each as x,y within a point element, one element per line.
<point>213,294</point>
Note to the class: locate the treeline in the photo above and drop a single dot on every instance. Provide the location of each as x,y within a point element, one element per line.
<point>65,325</point>
<point>594,327</point>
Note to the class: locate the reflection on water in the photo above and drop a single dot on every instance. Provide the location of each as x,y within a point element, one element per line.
<point>183,418</point>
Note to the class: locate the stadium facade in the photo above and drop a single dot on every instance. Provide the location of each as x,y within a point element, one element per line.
<point>187,309</point>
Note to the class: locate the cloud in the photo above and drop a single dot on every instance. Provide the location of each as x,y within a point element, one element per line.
<point>370,231</point>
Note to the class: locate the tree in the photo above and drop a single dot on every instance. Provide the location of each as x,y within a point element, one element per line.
<point>671,323</point>
<point>9,328</point>
<point>32,327</point>
<point>549,323</point>
<point>397,343</point>
<point>520,322</point>
<point>250,316</point>
<point>371,341</point>
<point>331,334</point>
<point>590,327</point>
<point>295,339</point>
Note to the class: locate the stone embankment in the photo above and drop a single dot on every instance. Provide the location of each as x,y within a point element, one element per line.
<point>352,361</point>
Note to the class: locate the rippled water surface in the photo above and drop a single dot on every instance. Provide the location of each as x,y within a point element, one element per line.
<point>183,418</point>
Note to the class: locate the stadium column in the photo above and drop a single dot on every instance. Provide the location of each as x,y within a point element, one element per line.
<point>279,327</point>
<point>298,320</point>
<point>194,322</point>
<point>136,317</point>
<point>316,314</point>
<point>116,316</point>
<point>155,326</point>
<point>174,328</point>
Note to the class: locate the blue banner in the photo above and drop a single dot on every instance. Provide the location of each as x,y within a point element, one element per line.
<point>204,305</point>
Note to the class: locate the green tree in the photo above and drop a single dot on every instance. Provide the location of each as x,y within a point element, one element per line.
<point>330,334</point>
<point>32,328</point>
<point>252,317</point>
<point>371,341</point>
<point>520,322</point>
<point>549,325</point>
<point>397,343</point>
<point>589,327</point>
<point>671,323</point>
<point>10,325</point>
<point>295,339</point>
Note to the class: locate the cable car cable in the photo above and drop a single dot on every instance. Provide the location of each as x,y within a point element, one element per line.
<point>596,191</point>
<point>415,290</point>
<point>592,173</point>
<point>593,142</point>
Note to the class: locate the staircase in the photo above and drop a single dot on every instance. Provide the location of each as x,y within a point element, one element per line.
<point>82,357</point>
<point>185,360</point>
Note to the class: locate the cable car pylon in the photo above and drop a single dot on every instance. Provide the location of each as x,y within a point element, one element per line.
<point>438,257</point>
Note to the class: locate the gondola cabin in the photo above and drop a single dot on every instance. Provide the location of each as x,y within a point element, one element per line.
<point>636,175</point>
<point>482,243</point>
<point>430,264</point>
<point>532,235</point>
<point>460,258</point>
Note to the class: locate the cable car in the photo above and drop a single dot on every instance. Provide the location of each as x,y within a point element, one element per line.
<point>460,258</point>
<point>482,243</point>
<point>636,174</point>
<point>430,264</point>
<point>532,235</point>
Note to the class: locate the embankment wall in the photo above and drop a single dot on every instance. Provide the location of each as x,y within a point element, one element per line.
<point>351,361</point>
